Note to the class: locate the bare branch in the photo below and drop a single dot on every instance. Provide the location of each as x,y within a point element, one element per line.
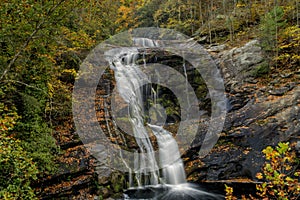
<point>30,86</point>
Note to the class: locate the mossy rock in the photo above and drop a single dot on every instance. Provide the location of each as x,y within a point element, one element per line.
<point>117,182</point>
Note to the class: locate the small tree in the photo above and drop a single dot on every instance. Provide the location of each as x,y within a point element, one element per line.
<point>282,182</point>
<point>269,27</point>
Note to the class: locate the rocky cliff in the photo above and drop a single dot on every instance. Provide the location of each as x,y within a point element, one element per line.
<point>261,112</point>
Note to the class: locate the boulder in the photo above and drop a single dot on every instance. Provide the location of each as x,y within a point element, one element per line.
<point>237,64</point>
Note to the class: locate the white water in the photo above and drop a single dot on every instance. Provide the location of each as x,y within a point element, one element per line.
<point>129,80</point>
<point>170,161</point>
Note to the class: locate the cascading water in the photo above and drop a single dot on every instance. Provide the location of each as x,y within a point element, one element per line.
<point>129,81</point>
<point>173,172</point>
<point>129,78</point>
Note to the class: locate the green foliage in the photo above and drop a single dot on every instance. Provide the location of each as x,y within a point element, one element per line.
<point>145,13</point>
<point>31,39</point>
<point>270,25</point>
<point>279,175</point>
<point>34,132</point>
<point>42,45</point>
<point>35,36</point>
<point>8,117</point>
<point>261,69</point>
<point>281,180</point>
<point>17,170</point>
<point>118,182</point>
<point>41,146</point>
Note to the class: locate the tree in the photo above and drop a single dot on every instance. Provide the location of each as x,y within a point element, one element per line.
<point>269,26</point>
<point>144,14</point>
<point>180,15</point>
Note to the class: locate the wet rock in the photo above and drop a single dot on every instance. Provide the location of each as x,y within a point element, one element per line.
<point>286,75</point>
<point>256,117</point>
<point>264,120</point>
<point>234,171</point>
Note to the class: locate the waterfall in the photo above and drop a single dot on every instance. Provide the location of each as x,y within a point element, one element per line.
<point>170,161</point>
<point>129,81</point>
<point>137,143</point>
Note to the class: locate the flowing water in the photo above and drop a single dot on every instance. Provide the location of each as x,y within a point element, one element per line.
<point>165,175</point>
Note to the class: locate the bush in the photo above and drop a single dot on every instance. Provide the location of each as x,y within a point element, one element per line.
<point>35,133</point>
<point>279,176</point>
<point>261,70</point>
<point>16,170</point>
<point>281,180</point>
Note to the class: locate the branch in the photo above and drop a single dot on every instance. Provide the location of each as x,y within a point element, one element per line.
<point>30,86</point>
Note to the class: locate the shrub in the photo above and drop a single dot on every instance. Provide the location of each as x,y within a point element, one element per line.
<point>261,69</point>
<point>281,180</point>
<point>16,170</point>
<point>279,175</point>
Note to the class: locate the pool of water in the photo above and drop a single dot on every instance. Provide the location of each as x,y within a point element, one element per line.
<point>185,191</point>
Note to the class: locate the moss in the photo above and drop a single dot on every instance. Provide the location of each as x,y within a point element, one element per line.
<point>118,182</point>
<point>201,91</point>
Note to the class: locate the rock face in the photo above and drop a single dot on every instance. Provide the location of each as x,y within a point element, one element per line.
<point>238,64</point>
<point>259,115</point>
